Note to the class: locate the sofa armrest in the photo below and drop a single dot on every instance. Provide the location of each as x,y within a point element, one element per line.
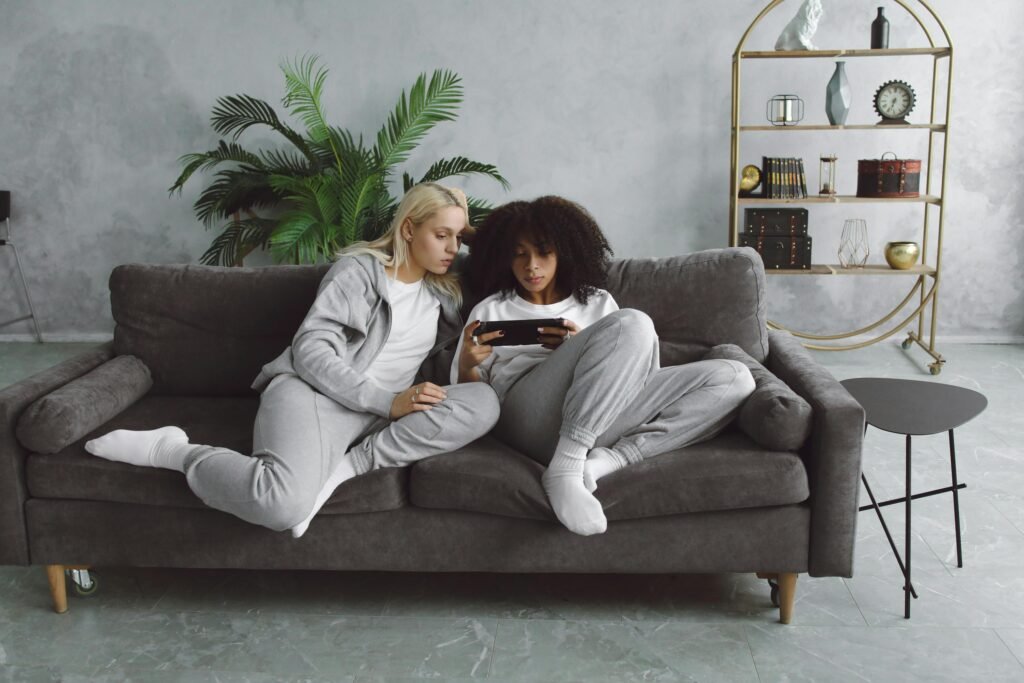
<point>13,401</point>
<point>832,454</point>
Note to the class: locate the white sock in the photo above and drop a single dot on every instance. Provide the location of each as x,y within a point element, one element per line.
<point>576,507</point>
<point>601,462</point>
<point>154,448</point>
<point>345,471</point>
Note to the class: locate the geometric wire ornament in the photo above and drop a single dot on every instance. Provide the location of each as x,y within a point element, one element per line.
<point>853,244</point>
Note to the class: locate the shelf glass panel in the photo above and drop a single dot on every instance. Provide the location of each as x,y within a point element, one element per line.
<point>844,199</point>
<point>870,269</point>
<point>831,54</point>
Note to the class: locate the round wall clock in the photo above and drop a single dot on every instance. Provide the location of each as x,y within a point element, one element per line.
<point>893,101</point>
<point>750,179</point>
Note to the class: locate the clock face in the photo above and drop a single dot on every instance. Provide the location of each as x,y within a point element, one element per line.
<point>894,100</point>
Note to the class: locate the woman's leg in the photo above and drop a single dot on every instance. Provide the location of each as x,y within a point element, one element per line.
<point>298,438</point>
<point>680,406</point>
<point>560,407</point>
<point>468,412</point>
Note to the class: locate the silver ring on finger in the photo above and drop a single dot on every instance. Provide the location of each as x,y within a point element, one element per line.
<point>476,342</point>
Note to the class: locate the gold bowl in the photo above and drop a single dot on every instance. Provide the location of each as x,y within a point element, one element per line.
<point>901,255</point>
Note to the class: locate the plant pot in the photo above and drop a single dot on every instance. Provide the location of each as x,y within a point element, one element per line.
<point>901,255</point>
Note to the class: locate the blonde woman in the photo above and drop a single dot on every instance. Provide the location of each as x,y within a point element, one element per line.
<point>344,398</point>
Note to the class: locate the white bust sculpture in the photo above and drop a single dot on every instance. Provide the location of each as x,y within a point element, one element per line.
<point>799,31</point>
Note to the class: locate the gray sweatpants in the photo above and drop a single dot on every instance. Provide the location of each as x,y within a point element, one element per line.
<point>605,387</point>
<point>300,435</point>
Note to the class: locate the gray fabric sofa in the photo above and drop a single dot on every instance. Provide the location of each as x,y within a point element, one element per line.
<point>725,505</point>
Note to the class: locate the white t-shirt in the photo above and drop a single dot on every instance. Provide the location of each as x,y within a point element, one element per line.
<point>506,364</point>
<point>414,313</point>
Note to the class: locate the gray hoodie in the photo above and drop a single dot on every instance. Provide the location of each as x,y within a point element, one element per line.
<point>345,330</point>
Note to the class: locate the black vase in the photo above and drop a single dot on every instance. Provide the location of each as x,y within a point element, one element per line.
<point>880,31</point>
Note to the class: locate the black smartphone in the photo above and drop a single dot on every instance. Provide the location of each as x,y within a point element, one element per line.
<point>517,332</point>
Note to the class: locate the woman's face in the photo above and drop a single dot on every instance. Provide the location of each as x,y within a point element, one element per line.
<point>435,242</point>
<point>534,266</point>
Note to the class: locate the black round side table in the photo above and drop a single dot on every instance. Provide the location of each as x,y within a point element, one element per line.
<point>915,408</point>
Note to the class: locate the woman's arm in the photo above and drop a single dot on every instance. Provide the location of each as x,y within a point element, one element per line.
<point>319,351</point>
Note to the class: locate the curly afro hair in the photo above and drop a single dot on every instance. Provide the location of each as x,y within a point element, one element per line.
<point>552,222</point>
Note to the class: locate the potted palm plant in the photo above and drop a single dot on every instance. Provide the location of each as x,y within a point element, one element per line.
<point>327,188</point>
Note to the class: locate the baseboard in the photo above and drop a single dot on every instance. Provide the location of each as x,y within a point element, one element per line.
<point>979,339</point>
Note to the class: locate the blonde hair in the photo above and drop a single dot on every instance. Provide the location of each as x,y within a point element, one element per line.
<point>418,205</point>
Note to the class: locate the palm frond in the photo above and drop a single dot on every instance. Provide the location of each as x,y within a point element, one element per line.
<point>225,152</point>
<point>297,237</point>
<point>428,104</point>
<point>407,182</point>
<point>283,161</point>
<point>234,190</point>
<point>236,241</point>
<point>353,203</point>
<point>312,225</point>
<point>233,114</point>
<point>304,87</point>
<point>479,209</point>
<point>445,168</point>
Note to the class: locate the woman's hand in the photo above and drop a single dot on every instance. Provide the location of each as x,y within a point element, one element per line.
<point>475,351</point>
<point>418,397</point>
<point>553,337</point>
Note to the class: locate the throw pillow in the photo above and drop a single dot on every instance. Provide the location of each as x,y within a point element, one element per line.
<point>67,414</point>
<point>774,416</point>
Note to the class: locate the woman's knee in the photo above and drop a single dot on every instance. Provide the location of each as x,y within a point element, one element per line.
<point>633,324</point>
<point>477,403</point>
<point>737,378</point>
<point>281,515</point>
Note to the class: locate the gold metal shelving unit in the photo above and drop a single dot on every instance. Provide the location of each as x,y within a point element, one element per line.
<point>922,299</point>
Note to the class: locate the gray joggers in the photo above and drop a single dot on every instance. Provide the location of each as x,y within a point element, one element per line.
<point>604,387</point>
<point>300,435</point>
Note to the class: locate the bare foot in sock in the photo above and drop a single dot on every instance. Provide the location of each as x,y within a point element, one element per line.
<point>153,448</point>
<point>600,462</point>
<point>576,507</point>
<point>345,471</point>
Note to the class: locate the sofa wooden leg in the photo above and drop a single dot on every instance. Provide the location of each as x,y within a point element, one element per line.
<point>58,587</point>
<point>787,596</point>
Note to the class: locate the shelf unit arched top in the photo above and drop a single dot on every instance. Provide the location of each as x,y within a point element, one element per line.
<point>938,50</point>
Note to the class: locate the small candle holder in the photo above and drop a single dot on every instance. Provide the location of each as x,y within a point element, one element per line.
<point>784,110</point>
<point>827,175</point>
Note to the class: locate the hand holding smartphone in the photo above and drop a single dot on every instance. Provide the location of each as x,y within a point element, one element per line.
<point>518,332</point>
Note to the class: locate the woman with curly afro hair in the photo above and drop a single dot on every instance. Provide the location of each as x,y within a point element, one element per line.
<point>589,396</point>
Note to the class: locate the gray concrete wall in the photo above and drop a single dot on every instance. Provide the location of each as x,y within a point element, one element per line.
<point>623,106</point>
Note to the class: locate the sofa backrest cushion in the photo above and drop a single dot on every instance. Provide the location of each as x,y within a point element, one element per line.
<point>697,300</point>
<point>207,330</point>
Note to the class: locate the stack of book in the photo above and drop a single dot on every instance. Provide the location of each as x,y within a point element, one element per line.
<point>783,178</point>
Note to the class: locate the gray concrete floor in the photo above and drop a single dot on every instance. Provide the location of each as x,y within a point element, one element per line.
<point>177,625</point>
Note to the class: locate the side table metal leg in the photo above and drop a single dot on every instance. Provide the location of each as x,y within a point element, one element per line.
<point>906,584</point>
<point>956,500</point>
<point>885,527</point>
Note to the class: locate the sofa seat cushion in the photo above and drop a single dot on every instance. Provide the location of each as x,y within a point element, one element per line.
<point>73,473</point>
<point>729,472</point>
